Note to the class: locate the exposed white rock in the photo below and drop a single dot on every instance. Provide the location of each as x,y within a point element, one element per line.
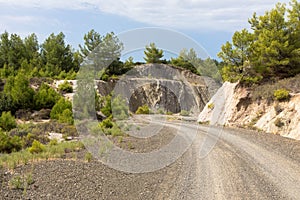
<point>221,106</point>
<point>231,106</point>
<point>57,136</point>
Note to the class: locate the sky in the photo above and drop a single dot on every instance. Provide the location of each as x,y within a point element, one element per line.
<point>208,22</point>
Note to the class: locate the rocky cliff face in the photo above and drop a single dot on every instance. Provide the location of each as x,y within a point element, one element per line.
<point>232,106</point>
<point>159,86</point>
<point>162,87</point>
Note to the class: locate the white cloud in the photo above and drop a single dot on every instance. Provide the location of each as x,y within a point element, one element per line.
<point>226,15</point>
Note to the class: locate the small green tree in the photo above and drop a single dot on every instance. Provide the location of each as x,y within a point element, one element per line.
<point>181,62</point>
<point>6,102</point>
<point>9,144</point>
<point>7,121</point>
<point>153,54</point>
<point>91,40</point>
<point>20,91</point>
<point>58,111</point>
<point>46,97</point>
<point>37,147</point>
<point>66,117</point>
<point>57,55</point>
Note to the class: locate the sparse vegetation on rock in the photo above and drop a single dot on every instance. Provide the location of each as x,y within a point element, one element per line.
<point>281,94</point>
<point>65,87</point>
<point>143,110</point>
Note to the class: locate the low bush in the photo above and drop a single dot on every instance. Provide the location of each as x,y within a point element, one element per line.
<point>71,75</point>
<point>211,106</point>
<point>9,144</point>
<point>69,130</point>
<point>107,123</point>
<point>65,87</point>
<point>37,147</point>
<point>7,121</point>
<point>281,94</point>
<point>88,157</point>
<point>110,128</point>
<point>184,113</point>
<point>66,117</point>
<point>106,105</point>
<point>46,97</point>
<point>169,113</point>
<point>21,182</point>
<point>53,142</point>
<point>116,131</point>
<point>143,110</point>
<point>13,159</point>
<point>16,182</point>
<point>61,111</point>
<point>104,77</point>
<point>278,109</point>
<point>160,111</point>
<point>266,91</point>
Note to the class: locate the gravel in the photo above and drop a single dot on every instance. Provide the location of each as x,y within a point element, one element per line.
<point>242,165</point>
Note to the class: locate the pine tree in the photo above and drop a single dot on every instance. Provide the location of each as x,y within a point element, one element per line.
<point>294,30</point>
<point>153,54</point>
<point>271,49</point>
<point>56,55</point>
<point>91,40</point>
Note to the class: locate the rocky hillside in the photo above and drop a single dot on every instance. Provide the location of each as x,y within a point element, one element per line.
<point>233,105</point>
<point>164,87</point>
<point>159,86</point>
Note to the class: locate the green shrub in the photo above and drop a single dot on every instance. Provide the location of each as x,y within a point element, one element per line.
<point>58,111</point>
<point>66,117</point>
<point>281,94</point>
<point>210,106</point>
<point>69,130</point>
<point>46,97</point>
<point>105,77</point>
<point>71,75</point>
<point>160,111</point>
<point>65,87</point>
<point>143,110</point>
<point>110,128</point>
<point>116,131</point>
<point>7,121</point>
<point>53,142</point>
<point>88,157</point>
<point>37,147</point>
<point>184,113</point>
<point>6,102</point>
<point>107,123</point>
<point>10,144</point>
<point>16,183</point>
<point>169,113</point>
<point>20,91</point>
<point>35,135</point>
<point>106,108</point>
<point>21,182</point>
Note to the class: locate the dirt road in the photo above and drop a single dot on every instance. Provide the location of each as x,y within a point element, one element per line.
<point>241,165</point>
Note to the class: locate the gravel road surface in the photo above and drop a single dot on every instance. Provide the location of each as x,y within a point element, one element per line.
<point>241,165</point>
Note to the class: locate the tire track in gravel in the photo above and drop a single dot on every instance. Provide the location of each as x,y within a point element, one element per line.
<point>240,169</point>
